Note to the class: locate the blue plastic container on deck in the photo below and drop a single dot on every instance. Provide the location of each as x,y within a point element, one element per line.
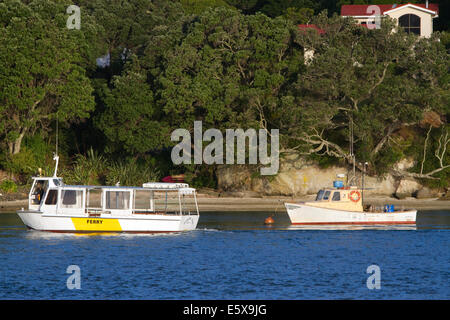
<point>338,184</point>
<point>391,208</point>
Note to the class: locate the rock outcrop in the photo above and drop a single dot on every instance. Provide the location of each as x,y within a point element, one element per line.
<point>298,177</point>
<point>426,193</point>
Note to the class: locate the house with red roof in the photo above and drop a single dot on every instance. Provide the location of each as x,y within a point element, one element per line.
<point>413,18</point>
<point>311,26</point>
<point>309,52</point>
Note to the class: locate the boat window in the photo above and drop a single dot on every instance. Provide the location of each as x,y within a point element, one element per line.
<point>166,201</point>
<point>71,198</point>
<point>118,200</point>
<point>94,199</point>
<point>336,196</point>
<point>51,197</point>
<point>143,201</point>
<point>320,195</point>
<point>326,196</point>
<point>38,192</point>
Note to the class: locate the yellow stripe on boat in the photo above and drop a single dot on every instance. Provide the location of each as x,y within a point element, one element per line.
<point>96,224</point>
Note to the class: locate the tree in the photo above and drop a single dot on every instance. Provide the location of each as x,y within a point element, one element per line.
<point>127,26</point>
<point>198,6</point>
<point>41,70</point>
<point>131,121</point>
<point>275,8</point>
<point>221,67</point>
<point>361,87</point>
<point>246,6</point>
<point>128,113</point>
<point>228,68</point>
<point>299,15</point>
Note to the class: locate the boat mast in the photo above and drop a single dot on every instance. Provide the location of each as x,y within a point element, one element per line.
<point>352,154</point>
<point>362,182</point>
<point>55,156</point>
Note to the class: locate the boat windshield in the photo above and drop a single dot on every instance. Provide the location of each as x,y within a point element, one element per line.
<point>336,196</point>
<point>320,195</point>
<point>326,196</point>
<point>38,191</point>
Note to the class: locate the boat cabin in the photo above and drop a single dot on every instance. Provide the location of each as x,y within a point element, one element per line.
<point>341,198</point>
<point>52,196</point>
<point>39,190</point>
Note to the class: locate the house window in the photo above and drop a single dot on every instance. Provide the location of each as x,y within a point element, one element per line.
<point>410,23</point>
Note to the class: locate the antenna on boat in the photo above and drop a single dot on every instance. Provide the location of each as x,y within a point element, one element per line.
<point>55,155</point>
<point>56,158</point>
<point>362,182</point>
<point>352,153</point>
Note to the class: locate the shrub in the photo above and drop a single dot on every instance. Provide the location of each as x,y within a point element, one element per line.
<point>200,176</point>
<point>87,169</point>
<point>23,163</point>
<point>131,173</point>
<point>8,186</point>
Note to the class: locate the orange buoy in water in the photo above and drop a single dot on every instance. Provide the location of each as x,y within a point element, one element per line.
<point>269,220</point>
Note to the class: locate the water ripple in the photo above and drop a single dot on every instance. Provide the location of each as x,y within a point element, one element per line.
<point>244,260</point>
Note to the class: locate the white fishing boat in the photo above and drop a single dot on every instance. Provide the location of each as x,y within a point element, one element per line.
<point>344,205</point>
<point>154,207</point>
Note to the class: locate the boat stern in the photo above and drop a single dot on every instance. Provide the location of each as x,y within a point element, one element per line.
<point>189,222</point>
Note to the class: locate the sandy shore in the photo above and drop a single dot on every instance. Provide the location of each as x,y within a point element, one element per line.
<point>209,203</point>
<point>277,204</point>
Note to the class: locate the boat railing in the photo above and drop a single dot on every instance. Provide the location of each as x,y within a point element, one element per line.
<point>95,212</point>
<point>143,211</point>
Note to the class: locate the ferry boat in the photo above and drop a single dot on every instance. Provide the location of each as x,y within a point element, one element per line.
<point>344,205</point>
<point>154,207</point>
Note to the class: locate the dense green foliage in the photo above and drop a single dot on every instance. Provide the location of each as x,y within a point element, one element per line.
<point>229,63</point>
<point>42,75</point>
<point>8,186</point>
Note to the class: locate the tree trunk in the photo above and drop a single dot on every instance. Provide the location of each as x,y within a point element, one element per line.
<point>14,146</point>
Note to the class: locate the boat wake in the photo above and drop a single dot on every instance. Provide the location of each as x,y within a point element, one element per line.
<point>352,227</point>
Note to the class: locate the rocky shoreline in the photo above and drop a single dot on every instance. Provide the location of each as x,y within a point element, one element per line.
<point>277,203</point>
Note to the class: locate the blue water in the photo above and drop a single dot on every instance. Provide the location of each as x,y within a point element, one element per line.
<point>231,256</point>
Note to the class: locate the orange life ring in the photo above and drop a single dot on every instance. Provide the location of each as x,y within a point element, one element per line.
<point>355,196</point>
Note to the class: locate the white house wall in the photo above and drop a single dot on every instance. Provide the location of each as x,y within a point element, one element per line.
<point>426,20</point>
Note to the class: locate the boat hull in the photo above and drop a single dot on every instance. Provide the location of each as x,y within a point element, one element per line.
<point>303,214</point>
<point>131,224</point>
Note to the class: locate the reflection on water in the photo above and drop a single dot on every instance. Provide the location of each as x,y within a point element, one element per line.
<point>438,219</point>
<point>352,227</point>
<point>34,234</point>
<point>255,221</point>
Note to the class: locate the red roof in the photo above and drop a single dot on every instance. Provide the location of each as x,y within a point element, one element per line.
<point>311,26</point>
<point>361,9</point>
